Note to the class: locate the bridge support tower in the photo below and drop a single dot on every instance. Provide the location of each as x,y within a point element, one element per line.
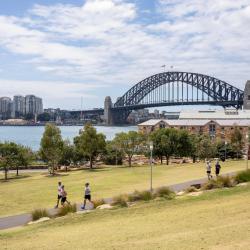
<point>246,101</point>
<point>108,117</point>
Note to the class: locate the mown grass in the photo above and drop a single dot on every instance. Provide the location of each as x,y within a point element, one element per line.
<point>218,219</point>
<point>39,190</point>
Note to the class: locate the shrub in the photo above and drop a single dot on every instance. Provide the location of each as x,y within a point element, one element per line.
<point>164,192</point>
<point>39,213</point>
<point>225,181</point>
<point>120,200</point>
<point>66,209</point>
<point>191,189</point>
<point>98,202</point>
<point>211,184</point>
<point>243,176</point>
<point>135,196</point>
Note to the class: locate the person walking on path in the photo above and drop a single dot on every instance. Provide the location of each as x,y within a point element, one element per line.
<point>87,195</point>
<point>64,196</point>
<point>217,168</point>
<point>208,167</point>
<point>59,193</point>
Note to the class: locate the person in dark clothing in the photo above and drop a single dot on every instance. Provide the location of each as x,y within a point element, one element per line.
<point>217,168</point>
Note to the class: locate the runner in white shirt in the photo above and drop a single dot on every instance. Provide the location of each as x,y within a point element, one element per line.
<point>87,195</point>
<point>208,167</point>
<point>59,193</point>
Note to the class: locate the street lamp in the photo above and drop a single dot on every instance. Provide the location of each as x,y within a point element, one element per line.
<point>247,149</point>
<point>225,150</point>
<point>151,147</point>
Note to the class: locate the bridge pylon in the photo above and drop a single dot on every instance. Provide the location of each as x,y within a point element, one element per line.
<point>246,101</point>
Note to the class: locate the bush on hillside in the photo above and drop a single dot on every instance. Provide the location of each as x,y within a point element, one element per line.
<point>98,202</point>
<point>191,189</point>
<point>211,184</point>
<point>140,196</point>
<point>164,192</point>
<point>120,200</point>
<point>243,176</point>
<point>66,209</point>
<point>225,181</point>
<point>39,213</point>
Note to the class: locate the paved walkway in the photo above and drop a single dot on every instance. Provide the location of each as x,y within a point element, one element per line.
<point>22,219</point>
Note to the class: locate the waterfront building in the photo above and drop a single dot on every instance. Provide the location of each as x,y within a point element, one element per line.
<point>216,129</point>
<point>6,107</point>
<point>224,114</point>
<point>33,105</point>
<point>18,106</point>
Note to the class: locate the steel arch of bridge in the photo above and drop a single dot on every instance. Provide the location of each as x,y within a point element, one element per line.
<point>220,92</point>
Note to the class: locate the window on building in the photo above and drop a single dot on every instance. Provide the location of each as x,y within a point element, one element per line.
<point>162,125</point>
<point>212,129</point>
<point>249,97</point>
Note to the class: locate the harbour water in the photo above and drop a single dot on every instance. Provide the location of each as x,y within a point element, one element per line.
<point>31,135</point>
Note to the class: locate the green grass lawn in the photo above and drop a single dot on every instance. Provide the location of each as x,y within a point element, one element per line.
<point>217,219</point>
<point>38,190</point>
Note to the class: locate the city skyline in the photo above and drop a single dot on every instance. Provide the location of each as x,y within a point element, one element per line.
<point>104,47</point>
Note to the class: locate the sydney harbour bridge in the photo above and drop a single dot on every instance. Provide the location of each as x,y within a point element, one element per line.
<point>173,89</point>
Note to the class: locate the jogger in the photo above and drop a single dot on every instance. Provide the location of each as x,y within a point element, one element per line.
<point>59,193</point>
<point>64,196</point>
<point>87,195</point>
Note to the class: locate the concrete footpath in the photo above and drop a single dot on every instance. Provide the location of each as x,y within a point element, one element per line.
<point>22,219</point>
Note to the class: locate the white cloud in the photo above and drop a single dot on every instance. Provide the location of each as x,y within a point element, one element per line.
<point>105,41</point>
<point>52,91</point>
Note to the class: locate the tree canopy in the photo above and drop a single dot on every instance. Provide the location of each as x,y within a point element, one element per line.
<point>51,146</point>
<point>89,144</point>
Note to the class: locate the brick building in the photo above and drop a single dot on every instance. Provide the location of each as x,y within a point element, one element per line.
<point>219,129</point>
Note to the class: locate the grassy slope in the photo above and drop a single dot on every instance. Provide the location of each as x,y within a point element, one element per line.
<point>38,190</point>
<point>216,220</point>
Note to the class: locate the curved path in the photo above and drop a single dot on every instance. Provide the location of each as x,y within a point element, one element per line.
<point>22,219</point>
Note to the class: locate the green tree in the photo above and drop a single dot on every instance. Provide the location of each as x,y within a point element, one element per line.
<point>13,155</point>
<point>44,117</point>
<point>185,144</point>
<point>29,116</point>
<point>51,146</point>
<point>68,151</point>
<point>194,139</point>
<point>129,143</point>
<point>237,141</point>
<point>23,158</point>
<point>170,143</point>
<point>89,143</point>
<point>112,155</point>
<point>206,148</point>
<point>156,139</point>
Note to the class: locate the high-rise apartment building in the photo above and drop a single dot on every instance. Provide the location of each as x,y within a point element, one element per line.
<point>33,105</point>
<point>6,107</point>
<point>19,106</point>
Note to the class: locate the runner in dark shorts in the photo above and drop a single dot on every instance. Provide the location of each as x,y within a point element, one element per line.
<point>64,197</point>
<point>59,193</point>
<point>87,195</point>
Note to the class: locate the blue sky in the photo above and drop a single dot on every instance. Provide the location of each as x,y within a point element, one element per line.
<point>63,50</point>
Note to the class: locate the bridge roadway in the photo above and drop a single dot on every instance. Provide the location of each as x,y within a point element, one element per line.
<point>100,111</point>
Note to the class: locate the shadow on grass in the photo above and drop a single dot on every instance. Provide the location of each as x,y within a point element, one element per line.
<point>14,177</point>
